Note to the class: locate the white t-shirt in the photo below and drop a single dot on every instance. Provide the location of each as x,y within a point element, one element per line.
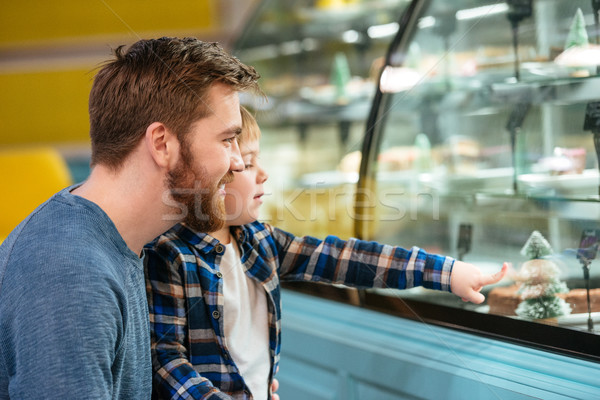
<point>246,323</point>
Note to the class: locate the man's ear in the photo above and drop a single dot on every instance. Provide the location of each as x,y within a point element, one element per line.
<point>162,144</point>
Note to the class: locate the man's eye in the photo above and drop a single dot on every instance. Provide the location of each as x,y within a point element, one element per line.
<point>230,140</point>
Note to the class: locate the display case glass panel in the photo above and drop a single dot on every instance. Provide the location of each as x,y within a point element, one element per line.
<point>460,127</point>
<point>319,61</point>
<point>483,148</point>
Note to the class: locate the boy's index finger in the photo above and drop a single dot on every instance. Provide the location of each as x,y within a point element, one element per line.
<point>497,277</point>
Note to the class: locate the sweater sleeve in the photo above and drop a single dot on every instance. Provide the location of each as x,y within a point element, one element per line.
<point>61,330</point>
<point>358,263</point>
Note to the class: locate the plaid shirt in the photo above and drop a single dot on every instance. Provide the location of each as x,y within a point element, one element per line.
<point>185,295</point>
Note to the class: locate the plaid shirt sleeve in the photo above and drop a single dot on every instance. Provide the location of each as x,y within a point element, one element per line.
<point>359,263</point>
<point>174,375</point>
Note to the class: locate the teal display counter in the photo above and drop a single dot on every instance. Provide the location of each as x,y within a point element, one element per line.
<point>336,351</point>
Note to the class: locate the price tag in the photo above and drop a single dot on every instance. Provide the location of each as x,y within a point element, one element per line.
<point>464,237</point>
<point>592,117</point>
<point>588,247</point>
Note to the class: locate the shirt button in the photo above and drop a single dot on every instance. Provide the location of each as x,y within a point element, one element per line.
<point>219,274</point>
<point>216,314</point>
<point>219,248</point>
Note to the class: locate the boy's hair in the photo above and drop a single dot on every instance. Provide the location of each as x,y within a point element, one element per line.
<point>250,128</point>
<point>157,80</point>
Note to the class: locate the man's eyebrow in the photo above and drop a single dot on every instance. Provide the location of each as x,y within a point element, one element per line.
<point>236,130</point>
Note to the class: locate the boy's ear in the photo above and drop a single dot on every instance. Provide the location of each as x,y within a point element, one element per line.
<point>162,144</point>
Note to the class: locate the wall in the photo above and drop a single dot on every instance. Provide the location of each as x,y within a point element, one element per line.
<point>49,51</point>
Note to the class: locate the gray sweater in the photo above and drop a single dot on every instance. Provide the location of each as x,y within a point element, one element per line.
<point>73,311</point>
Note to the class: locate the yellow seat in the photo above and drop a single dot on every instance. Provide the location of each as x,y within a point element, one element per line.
<point>28,177</point>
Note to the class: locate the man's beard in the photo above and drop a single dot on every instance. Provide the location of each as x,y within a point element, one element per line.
<point>199,199</point>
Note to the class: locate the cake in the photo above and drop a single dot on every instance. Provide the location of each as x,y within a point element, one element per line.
<point>397,158</point>
<point>579,55</point>
<point>462,155</point>
<point>564,161</point>
<point>503,300</point>
<point>577,299</point>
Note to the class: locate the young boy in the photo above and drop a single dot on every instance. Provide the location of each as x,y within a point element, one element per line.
<point>214,298</point>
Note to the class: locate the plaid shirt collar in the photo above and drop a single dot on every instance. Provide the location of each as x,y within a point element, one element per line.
<point>205,243</point>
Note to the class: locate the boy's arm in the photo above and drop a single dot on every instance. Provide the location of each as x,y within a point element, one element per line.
<point>173,374</point>
<point>363,264</point>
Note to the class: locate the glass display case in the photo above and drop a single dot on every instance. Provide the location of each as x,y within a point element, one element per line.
<point>319,63</point>
<point>468,128</point>
<point>481,144</point>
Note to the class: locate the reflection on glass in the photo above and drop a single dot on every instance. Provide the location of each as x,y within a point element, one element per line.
<point>319,62</point>
<point>507,148</point>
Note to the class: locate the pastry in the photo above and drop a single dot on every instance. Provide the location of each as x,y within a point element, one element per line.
<point>504,300</point>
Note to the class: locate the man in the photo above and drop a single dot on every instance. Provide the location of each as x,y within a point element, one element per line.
<point>164,116</point>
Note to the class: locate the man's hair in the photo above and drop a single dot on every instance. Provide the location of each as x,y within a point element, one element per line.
<point>158,80</point>
<point>250,128</point>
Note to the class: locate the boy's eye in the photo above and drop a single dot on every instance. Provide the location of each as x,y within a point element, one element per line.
<point>248,166</point>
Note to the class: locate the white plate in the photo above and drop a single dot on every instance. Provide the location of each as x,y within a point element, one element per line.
<point>479,179</point>
<point>590,178</point>
<point>546,69</point>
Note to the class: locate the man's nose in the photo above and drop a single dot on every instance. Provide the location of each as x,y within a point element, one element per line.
<point>236,164</point>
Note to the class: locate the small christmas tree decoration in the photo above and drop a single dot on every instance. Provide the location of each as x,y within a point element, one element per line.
<point>340,76</point>
<point>540,282</point>
<point>536,247</point>
<point>577,33</point>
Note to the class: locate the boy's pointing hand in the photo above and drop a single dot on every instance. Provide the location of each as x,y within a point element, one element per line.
<point>467,281</point>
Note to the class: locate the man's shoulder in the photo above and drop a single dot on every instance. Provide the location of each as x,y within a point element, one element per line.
<point>58,255</point>
<point>29,239</point>
<point>60,274</point>
<point>58,216</point>
<point>51,242</point>
<point>55,225</point>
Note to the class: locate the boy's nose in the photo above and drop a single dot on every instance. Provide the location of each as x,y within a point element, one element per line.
<point>262,175</point>
<point>236,162</point>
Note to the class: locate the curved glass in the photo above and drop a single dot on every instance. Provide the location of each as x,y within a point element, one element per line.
<point>483,133</point>
<point>319,62</point>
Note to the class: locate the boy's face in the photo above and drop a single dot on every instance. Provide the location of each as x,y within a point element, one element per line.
<point>243,196</point>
